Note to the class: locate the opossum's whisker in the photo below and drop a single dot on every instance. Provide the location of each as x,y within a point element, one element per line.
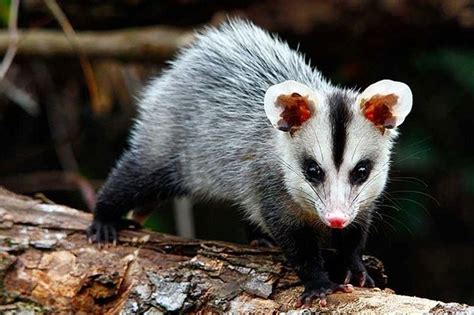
<point>324,191</point>
<point>412,180</point>
<point>391,198</point>
<point>362,221</point>
<point>419,193</point>
<point>319,144</point>
<point>385,215</point>
<point>321,153</point>
<point>412,216</point>
<point>386,222</point>
<point>317,194</point>
<point>394,207</point>
<point>385,219</point>
<point>382,169</point>
<point>355,149</point>
<point>395,199</point>
<point>284,163</point>
<point>350,192</point>
<point>384,195</point>
<point>363,210</point>
<point>361,202</point>
<point>411,155</point>
<point>308,196</point>
<point>397,208</point>
<point>308,200</point>
<point>416,203</point>
<point>369,182</point>
<point>419,142</point>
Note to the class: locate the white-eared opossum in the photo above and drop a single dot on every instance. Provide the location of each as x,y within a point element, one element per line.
<point>240,116</point>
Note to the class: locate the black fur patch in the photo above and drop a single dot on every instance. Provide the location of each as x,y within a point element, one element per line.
<point>130,185</point>
<point>340,116</point>
<point>300,243</point>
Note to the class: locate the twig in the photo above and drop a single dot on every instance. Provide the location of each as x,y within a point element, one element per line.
<point>20,97</point>
<point>59,126</point>
<point>13,38</point>
<point>154,43</point>
<point>51,181</point>
<point>85,64</point>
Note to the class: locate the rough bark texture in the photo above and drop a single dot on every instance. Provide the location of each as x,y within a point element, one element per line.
<point>47,265</point>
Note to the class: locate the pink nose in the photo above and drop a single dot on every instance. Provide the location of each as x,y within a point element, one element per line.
<point>336,220</point>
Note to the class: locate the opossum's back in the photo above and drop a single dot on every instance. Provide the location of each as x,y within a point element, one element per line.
<point>234,65</point>
<point>221,79</point>
<point>207,109</point>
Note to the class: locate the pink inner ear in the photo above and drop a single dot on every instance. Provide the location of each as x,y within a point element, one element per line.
<point>296,110</point>
<point>379,110</point>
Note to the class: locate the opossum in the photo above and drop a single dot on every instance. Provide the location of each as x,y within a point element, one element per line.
<point>242,117</point>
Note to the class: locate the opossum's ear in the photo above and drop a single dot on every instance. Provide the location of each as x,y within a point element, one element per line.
<point>386,103</point>
<point>289,104</point>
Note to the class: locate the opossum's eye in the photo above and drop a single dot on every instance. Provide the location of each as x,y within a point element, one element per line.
<point>361,172</point>
<point>313,172</point>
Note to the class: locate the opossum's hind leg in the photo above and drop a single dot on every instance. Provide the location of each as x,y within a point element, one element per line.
<point>129,185</point>
<point>140,214</point>
<point>257,237</point>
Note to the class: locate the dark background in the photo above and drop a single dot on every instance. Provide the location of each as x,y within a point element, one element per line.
<point>424,233</point>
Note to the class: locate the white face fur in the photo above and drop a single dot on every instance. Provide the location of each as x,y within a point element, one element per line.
<point>336,144</point>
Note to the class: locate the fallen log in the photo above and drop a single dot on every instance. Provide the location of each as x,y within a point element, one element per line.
<point>46,265</point>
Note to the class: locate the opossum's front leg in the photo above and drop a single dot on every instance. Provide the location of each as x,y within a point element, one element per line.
<point>128,185</point>
<point>300,244</point>
<point>350,244</point>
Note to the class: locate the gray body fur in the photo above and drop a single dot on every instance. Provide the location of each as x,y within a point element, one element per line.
<point>205,114</point>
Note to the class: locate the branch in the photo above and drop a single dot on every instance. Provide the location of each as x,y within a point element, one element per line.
<point>47,265</point>
<point>12,39</point>
<point>50,181</point>
<point>156,43</point>
<point>68,30</point>
<point>19,97</point>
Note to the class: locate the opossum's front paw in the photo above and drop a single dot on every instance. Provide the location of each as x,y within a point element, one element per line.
<point>263,242</point>
<point>359,278</point>
<point>356,274</point>
<point>102,232</point>
<point>319,290</point>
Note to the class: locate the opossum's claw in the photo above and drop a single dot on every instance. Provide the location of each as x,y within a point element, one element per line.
<point>359,279</point>
<point>320,291</point>
<point>262,242</point>
<point>105,232</point>
<point>102,233</point>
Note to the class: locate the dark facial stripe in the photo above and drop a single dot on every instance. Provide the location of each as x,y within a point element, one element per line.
<point>339,116</point>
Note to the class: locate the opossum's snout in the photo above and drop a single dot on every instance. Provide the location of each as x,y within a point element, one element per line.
<point>336,220</point>
<point>336,217</point>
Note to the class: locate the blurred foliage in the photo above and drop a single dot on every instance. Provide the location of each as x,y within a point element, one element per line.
<point>4,12</point>
<point>458,64</point>
<point>468,179</point>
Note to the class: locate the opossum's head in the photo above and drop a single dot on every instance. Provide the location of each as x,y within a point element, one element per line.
<point>334,145</point>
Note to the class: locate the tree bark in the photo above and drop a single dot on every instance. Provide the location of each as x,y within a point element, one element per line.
<point>46,265</point>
